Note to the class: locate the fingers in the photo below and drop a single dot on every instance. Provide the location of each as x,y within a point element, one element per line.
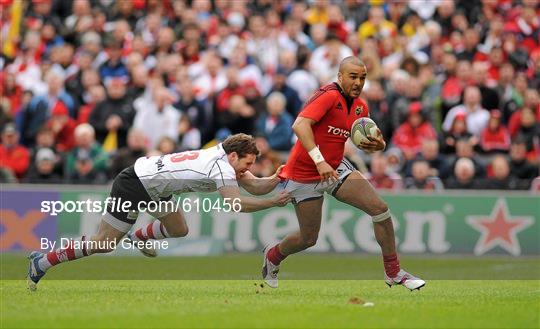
<point>330,176</point>
<point>279,169</point>
<point>283,198</point>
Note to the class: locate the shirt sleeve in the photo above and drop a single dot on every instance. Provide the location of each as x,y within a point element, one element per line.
<point>223,174</point>
<point>317,106</point>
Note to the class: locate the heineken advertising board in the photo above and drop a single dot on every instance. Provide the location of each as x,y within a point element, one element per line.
<point>476,223</point>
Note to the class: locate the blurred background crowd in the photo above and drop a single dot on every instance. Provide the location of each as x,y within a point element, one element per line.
<point>88,86</point>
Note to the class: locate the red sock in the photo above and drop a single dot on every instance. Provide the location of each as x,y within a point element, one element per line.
<point>154,230</point>
<point>73,250</point>
<point>391,265</point>
<point>274,255</point>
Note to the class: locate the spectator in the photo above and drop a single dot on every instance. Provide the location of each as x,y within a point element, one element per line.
<point>85,172</point>
<point>253,98</point>
<point>376,26</point>
<point>457,131</point>
<point>126,156</point>
<point>529,131</point>
<point>379,110</point>
<point>302,79</point>
<point>81,84</point>
<point>113,117</point>
<point>397,98</point>
<point>505,89</point>
<point>233,87</point>
<point>156,116</point>
<point>43,172</point>
<point>464,176</point>
<point>247,72</point>
<point>189,137</point>
<point>276,125</point>
<point>85,147</point>
<point>292,36</point>
<point>501,178</point>
<point>336,23</point>
<point>166,145</point>
<point>44,139</point>
<point>465,149</point>
<point>380,177</point>
<point>318,14</point>
<point>96,95</point>
<point>63,128</point>
<point>409,136</point>
<point>113,66</point>
<point>516,97</point>
<point>39,109</point>
<point>519,166</point>
<point>422,179</point>
<point>26,65</point>
<point>476,117</point>
<point>13,157</point>
<point>458,76</point>
<point>532,101</point>
<point>268,160</point>
<point>430,153</point>
<point>490,97</point>
<point>261,45</point>
<point>325,60</point>
<point>11,91</point>
<point>396,161</point>
<point>212,80</point>
<point>280,85</point>
<point>495,137</point>
<point>190,107</point>
<point>139,78</point>
<point>471,40</point>
<point>239,117</point>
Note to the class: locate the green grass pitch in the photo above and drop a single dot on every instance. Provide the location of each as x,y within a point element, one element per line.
<point>317,291</point>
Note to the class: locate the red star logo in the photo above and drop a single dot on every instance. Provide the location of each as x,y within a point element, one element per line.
<point>499,229</point>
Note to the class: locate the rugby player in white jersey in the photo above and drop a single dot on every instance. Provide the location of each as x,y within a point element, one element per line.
<point>157,178</point>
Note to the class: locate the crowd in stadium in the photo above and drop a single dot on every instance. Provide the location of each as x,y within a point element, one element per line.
<point>88,86</point>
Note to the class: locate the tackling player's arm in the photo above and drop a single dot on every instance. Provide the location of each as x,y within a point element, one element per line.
<point>259,186</point>
<point>251,204</point>
<point>302,129</point>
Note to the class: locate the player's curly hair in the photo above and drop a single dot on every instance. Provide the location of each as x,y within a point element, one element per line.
<point>242,144</point>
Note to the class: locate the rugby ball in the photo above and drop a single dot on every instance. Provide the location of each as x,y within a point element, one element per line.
<point>361,128</point>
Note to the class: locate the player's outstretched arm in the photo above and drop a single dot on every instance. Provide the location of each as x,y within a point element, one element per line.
<point>302,129</point>
<point>251,204</point>
<point>259,186</point>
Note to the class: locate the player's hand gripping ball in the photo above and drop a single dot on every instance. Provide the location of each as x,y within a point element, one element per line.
<point>361,129</point>
<point>366,135</point>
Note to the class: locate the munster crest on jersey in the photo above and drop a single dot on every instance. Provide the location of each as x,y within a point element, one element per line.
<point>359,110</point>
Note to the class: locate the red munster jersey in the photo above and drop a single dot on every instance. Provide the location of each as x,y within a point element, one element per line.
<point>334,115</point>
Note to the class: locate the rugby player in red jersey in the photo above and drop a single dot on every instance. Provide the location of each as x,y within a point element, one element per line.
<point>316,165</point>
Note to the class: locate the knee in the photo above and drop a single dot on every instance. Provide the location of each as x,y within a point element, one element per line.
<point>381,213</point>
<point>178,232</point>
<point>310,240</point>
<point>378,208</point>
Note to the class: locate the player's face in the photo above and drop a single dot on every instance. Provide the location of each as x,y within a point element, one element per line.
<point>241,165</point>
<point>352,79</point>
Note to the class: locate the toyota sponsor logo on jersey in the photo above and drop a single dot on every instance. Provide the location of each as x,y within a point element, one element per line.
<point>339,131</point>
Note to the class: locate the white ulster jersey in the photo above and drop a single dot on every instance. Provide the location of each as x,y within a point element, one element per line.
<point>191,171</point>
